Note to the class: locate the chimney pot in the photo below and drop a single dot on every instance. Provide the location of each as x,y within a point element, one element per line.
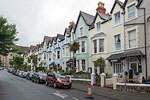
<point>101,9</point>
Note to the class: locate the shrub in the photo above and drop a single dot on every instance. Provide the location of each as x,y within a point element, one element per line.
<point>48,70</point>
<point>80,72</point>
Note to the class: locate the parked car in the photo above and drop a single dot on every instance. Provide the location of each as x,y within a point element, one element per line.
<point>1,68</point>
<point>20,73</point>
<point>13,71</point>
<point>58,80</point>
<point>29,75</point>
<point>24,74</point>
<point>39,77</point>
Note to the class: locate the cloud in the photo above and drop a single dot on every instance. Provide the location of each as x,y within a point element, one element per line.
<point>36,18</point>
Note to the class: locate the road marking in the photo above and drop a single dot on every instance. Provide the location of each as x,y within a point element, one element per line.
<point>60,95</point>
<point>75,98</point>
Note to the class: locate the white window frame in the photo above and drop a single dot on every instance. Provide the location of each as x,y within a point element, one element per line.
<point>120,70</point>
<point>116,43</point>
<point>99,45</point>
<point>82,47</point>
<point>115,18</point>
<point>126,9</point>
<point>82,31</point>
<point>94,47</point>
<point>98,31</point>
<point>132,39</point>
<point>132,11</point>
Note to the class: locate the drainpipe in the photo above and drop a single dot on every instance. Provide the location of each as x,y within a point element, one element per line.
<point>145,40</point>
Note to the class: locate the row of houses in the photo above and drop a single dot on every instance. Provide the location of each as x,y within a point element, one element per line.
<point>121,37</point>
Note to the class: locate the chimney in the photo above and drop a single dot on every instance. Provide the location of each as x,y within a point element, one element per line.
<point>70,24</point>
<point>101,8</point>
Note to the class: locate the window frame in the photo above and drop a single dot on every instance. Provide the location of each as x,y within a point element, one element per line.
<point>83,47</point>
<point>95,46</point>
<point>118,19</point>
<point>83,64</point>
<point>116,42</point>
<point>129,40</point>
<point>98,30</point>
<point>131,11</point>
<point>103,46</point>
<point>82,31</point>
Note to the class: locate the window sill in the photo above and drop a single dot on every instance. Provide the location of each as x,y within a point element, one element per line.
<point>131,19</point>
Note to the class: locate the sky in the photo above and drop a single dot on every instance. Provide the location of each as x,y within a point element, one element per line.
<point>35,19</point>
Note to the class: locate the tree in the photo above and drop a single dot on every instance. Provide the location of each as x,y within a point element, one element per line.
<point>11,62</point>
<point>100,63</point>
<point>25,67</point>
<point>73,48</point>
<point>18,61</point>
<point>8,38</point>
<point>34,61</point>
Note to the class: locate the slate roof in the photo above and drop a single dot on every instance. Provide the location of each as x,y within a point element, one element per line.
<point>47,39</point>
<point>87,18</point>
<point>102,16</point>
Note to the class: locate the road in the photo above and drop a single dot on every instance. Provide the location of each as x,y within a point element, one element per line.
<point>16,88</point>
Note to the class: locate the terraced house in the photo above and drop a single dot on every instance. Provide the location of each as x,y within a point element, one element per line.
<point>107,37</point>
<point>81,34</point>
<point>121,38</point>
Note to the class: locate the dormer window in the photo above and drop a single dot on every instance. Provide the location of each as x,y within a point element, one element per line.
<point>131,11</point>
<point>117,18</point>
<point>81,31</point>
<point>98,27</point>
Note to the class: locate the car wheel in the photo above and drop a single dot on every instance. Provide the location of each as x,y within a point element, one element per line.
<point>54,85</point>
<point>46,83</point>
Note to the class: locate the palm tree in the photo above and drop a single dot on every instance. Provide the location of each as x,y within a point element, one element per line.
<point>73,48</point>
<point>100,63</point>
<point>34,61</point>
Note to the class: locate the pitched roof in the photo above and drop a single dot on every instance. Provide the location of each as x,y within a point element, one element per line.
<point>121,4</point>
<point>88,19</point>
<point>60,37</point>
<point>102,16</point>
<point>67,31</point>
<point>47,39</point>
<point>138,5</point>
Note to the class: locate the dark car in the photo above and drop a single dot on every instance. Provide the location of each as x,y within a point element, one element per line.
<point>39,77</point>
<point>58,80</point>
<point>29,75</point>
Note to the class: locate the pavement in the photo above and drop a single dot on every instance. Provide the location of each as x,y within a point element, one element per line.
<point>110,93</point>
<point>16,88</point>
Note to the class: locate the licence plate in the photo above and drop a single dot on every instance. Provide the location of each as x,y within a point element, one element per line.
<point>66,83</point>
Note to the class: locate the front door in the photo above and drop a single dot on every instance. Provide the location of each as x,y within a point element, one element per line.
<point>134,66</point>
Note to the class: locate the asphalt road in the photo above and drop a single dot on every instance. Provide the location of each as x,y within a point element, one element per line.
<point>16,88</point>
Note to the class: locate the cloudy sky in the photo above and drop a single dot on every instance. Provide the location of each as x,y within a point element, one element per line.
<point>36,18</point>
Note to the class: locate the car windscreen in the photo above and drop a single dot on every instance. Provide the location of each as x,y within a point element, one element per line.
<point>60,76</point>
